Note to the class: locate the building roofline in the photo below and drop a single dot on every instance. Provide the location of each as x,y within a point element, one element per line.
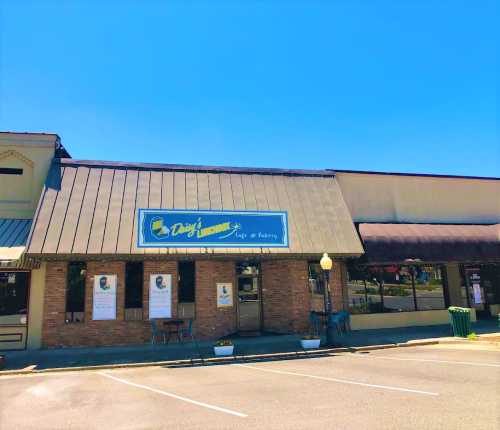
<point>194,168</point>
<point>31,133</point>
<point>425,175</point>
<point>35,139</point>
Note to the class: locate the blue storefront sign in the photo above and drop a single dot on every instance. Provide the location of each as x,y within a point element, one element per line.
<point>166,228</point>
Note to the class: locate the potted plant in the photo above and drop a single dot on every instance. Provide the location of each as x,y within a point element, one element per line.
<point>223,347</point>
<point>310,341</point>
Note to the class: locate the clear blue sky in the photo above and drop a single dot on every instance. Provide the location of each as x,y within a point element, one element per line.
<point>386,85</point>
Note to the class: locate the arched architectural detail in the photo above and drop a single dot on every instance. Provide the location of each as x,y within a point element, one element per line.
<point>18,155</point>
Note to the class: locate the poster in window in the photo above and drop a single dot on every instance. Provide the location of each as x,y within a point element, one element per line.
<point>104,303</point>
<point>224,295</point>
<point>160,296</point>
<point>476,288</point>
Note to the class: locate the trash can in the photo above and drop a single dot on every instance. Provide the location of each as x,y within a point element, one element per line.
<point>460,321</point>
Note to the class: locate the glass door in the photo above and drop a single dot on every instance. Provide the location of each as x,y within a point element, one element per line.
<point>13,309</point>
<point>249,297</point>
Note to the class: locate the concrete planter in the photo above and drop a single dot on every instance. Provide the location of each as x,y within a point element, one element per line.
<point>310,343</point>
<point>223,350</point>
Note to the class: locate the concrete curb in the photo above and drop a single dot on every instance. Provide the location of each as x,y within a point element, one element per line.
<point>223,360</point>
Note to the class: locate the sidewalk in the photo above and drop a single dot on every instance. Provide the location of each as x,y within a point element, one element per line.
<point>244,346</point>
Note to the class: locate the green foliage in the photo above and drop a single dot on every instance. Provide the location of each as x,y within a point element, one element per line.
<point>223,342</point>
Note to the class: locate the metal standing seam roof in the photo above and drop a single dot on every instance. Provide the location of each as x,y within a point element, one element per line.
<point>14,232</point>
<point>385,243</point>
<point>90,208</point>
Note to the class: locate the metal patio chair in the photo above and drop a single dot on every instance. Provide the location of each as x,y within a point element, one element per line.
<point>187,331</point>
<point>342,322</point>
<point>156,332</point>
<point>316,323</point>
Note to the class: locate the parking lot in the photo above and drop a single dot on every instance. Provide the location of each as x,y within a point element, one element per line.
<point>433,387</point>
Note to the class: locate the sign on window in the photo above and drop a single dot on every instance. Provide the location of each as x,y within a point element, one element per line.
<point>224,295</point>
<point>160,296</point>
<point>104,303</point>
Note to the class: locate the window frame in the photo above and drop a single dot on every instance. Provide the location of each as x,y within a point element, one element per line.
<point>320,280</point>
<point>28,291</point>
<point>179,283</point>
<point>71,317</point>
<point>380,279</point>
<point>133,313</point>
<point>11,171</point>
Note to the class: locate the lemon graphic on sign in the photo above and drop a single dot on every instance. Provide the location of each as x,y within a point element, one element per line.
<point>158,228</point>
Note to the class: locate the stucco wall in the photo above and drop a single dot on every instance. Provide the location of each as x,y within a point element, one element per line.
<point>35,318</point>
<point>402,319</point>
<point>19,194</point>
<point>417,199</point>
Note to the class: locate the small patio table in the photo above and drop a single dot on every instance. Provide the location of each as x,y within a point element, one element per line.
<point>173,326</point>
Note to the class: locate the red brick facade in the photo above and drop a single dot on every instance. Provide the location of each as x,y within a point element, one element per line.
<point>212,322</point>
<point>286,301</point>
<point>285,295</point>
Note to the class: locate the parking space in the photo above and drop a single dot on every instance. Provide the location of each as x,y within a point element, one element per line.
<point>405,388</point>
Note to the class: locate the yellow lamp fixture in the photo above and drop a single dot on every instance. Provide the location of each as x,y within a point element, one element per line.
<point>326,262</point>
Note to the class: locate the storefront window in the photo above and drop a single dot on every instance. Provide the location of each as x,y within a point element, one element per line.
<point>429,288</point>
<point>480,286</point>
<point>186,282</point>
<point>490,275</point>
<point>186,289</point>
<point>247,268</point>
<point>394,288</point>
<point>316,281</point>
<point>364,290</point>
<point>75,291</point>
<point>13,294</point>
<point>397,289</point>
<point>134,280</point>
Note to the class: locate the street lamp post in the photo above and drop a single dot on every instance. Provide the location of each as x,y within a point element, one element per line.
<point>326,264</point>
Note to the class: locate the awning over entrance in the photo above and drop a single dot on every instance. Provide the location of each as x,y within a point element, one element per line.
<point>391,243</point>
<point>13,236</point>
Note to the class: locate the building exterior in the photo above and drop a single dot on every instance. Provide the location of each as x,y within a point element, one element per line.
<point>430,241</point>
<point>86,226</point>
<point>25,159</point>
<point>93,251</point>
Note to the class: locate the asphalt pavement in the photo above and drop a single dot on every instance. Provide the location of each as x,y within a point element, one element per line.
<point>433,387</point>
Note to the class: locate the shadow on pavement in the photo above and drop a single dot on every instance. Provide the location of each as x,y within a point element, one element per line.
<point>244,348</point>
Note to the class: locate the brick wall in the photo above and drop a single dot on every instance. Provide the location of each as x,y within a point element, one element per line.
<point>338,286</point>
<point>57,333</point>
<point>212,322</point>
<point>285,294</point>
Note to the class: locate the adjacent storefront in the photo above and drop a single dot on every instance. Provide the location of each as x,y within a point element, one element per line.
<point>25,159</point>
<point>429,242</point>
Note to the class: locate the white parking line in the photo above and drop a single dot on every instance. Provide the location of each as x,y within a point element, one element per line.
<point>342,381</point>
<point>174,396</point>
<point>429,360</point>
